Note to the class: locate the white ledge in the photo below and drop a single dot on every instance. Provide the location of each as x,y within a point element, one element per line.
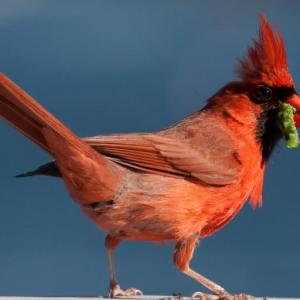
<point>144,297</point>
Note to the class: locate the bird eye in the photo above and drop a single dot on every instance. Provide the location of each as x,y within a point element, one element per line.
<point>263,93</point>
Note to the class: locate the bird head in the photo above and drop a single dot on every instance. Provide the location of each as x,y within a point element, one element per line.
<point>265,98</point>
<point>264,101</point>
<point>265,69</point>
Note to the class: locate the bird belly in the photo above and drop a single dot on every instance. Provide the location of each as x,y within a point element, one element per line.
<point>156,208</point>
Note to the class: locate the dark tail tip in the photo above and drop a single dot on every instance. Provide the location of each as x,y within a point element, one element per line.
<point>49,169</point>
<point>27,174</point>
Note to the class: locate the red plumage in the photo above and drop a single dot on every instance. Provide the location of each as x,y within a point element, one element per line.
<point>179,184</point>
<point>266,60</point>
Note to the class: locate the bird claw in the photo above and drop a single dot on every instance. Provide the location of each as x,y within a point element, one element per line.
<point>116,291</point>
<point>223,296</point>
<point>204,296</point>
<point>242,296</point>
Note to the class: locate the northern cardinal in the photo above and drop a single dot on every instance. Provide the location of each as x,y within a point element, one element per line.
<point>180,184</point>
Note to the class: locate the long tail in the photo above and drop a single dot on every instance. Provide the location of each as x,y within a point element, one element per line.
<point>24,113</point>
<point>87,174</point>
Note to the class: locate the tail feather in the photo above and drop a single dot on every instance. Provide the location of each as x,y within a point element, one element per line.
<point>49,169</point>
<point>26,115</point>
<point>27,174</point>
<point>22,122</point>
<point>88,175</point>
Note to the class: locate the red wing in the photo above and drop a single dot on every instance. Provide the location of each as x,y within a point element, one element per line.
<point>157,153</point>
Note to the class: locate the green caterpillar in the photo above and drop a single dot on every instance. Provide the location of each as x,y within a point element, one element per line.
<point>286,122</point>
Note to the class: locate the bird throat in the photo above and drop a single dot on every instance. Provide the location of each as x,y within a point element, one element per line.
<point>268,132</point>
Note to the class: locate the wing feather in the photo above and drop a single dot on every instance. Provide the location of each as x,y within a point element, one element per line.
<point>158,153</point>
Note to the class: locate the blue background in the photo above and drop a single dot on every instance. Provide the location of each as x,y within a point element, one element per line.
<point>121,66</point>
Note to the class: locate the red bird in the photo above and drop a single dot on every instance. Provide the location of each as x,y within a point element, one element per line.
<point>180,184</point>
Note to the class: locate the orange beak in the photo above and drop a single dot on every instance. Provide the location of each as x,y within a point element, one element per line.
<point>295,102</point>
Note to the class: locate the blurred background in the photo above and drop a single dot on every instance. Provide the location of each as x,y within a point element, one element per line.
<point>121,66</point>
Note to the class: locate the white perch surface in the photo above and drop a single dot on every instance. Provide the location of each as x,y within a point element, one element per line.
<point>144,297</point>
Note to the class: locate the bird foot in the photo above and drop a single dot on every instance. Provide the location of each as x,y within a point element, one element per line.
<point>204,296</point>
<point>223,296</point>
<point>116,291</point>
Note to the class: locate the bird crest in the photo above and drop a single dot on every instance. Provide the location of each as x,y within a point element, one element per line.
<point>266,60</point>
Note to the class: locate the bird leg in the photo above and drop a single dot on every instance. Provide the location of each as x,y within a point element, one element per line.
<point>115,290</point>
<point>183,253</point>
<point>212,286</point>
